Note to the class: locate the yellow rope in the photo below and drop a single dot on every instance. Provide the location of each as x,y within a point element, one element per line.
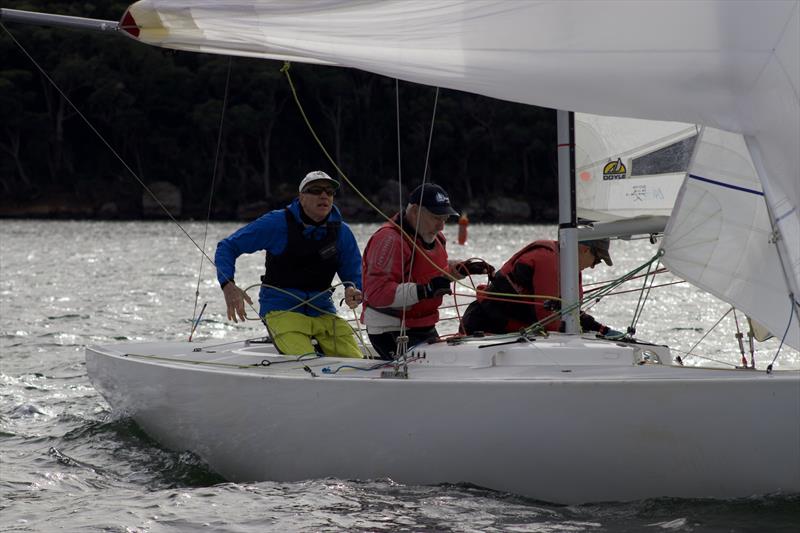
<point>285,70</point>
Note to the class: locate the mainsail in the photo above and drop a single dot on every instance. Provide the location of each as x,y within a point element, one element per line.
<point>733,66</point>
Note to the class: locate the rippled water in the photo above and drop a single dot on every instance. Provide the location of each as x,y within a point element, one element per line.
<point>67,463</point>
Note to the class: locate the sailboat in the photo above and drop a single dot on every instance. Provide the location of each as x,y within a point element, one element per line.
<point>567,418</point>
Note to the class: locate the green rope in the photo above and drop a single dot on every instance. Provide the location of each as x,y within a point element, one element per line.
<point>596,295</point>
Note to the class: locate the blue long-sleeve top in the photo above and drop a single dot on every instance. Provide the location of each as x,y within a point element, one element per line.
<point>270,233</point>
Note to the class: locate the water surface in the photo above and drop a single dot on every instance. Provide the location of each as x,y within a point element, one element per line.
<point>68,464</point>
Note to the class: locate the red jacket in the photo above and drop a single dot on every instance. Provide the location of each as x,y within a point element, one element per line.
<point>383,271</point>
<point>534,270</point>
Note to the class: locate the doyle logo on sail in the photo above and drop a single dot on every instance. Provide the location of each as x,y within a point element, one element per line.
<point>614,170</point>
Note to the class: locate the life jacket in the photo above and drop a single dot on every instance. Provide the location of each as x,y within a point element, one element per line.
<point>537,261</point>
<point>305,264</point>
<point>415,269</point>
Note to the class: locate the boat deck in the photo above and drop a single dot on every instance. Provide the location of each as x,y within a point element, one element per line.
<point>556,358</point>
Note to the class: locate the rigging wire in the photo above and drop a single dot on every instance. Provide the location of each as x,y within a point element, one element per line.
<point>643,297</point>
<point>705,357</point>
<point>709,331</point>
<point>793,304</point>
<point>112,150</point>
<point>414,249</point>
<point>103,140</point>
<point>213,185</point>
<point>402,339</point>
<point>661,270</point>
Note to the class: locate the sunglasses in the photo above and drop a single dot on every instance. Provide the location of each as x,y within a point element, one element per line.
<point>316,191</point>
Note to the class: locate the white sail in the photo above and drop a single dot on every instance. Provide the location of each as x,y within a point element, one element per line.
<point>732,65</point>
<point>627,167</point>
<point>719,236</point>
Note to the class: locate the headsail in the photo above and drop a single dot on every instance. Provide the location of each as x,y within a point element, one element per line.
<point>720,238</point>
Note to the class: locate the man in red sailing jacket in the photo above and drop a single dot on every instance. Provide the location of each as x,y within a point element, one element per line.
<point>532,270</point>
<point>405,282</point>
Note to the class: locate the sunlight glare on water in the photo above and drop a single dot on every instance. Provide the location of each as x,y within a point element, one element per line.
<point>67,463</point>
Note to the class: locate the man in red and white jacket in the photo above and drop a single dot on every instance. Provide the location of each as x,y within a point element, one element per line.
<point>405,280</point>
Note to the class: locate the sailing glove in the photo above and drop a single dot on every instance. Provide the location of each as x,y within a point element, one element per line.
<point>438,286</point>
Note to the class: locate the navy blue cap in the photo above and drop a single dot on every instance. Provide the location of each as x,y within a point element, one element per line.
<point>433,198</point>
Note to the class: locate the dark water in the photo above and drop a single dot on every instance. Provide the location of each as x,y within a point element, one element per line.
<point>68,464</point>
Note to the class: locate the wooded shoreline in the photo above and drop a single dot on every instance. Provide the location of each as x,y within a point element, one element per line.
<point>161,111</point>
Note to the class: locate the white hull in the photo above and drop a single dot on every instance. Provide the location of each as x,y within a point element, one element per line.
<point>565,420</point>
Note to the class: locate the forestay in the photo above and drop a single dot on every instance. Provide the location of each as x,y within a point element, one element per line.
<point>728,65</point>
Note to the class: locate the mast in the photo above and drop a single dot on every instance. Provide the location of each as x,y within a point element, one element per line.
<point>567,218</point>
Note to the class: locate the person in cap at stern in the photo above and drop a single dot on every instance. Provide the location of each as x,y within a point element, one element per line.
<point>406,275</point>
<point>306,244</point>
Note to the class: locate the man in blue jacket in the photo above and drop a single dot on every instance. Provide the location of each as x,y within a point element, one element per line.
<point>306,244</point>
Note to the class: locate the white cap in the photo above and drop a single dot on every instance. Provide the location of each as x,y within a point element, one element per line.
<point>317,175</point>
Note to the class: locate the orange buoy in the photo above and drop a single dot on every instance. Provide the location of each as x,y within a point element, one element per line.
<point>463,222</point>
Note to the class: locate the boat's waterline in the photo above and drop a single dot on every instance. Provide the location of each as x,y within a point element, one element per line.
<point>566,420</point>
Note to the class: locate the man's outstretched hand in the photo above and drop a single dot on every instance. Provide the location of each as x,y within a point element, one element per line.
<point>235,299</point>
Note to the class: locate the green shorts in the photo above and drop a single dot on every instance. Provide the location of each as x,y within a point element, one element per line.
<point>292,333</point>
